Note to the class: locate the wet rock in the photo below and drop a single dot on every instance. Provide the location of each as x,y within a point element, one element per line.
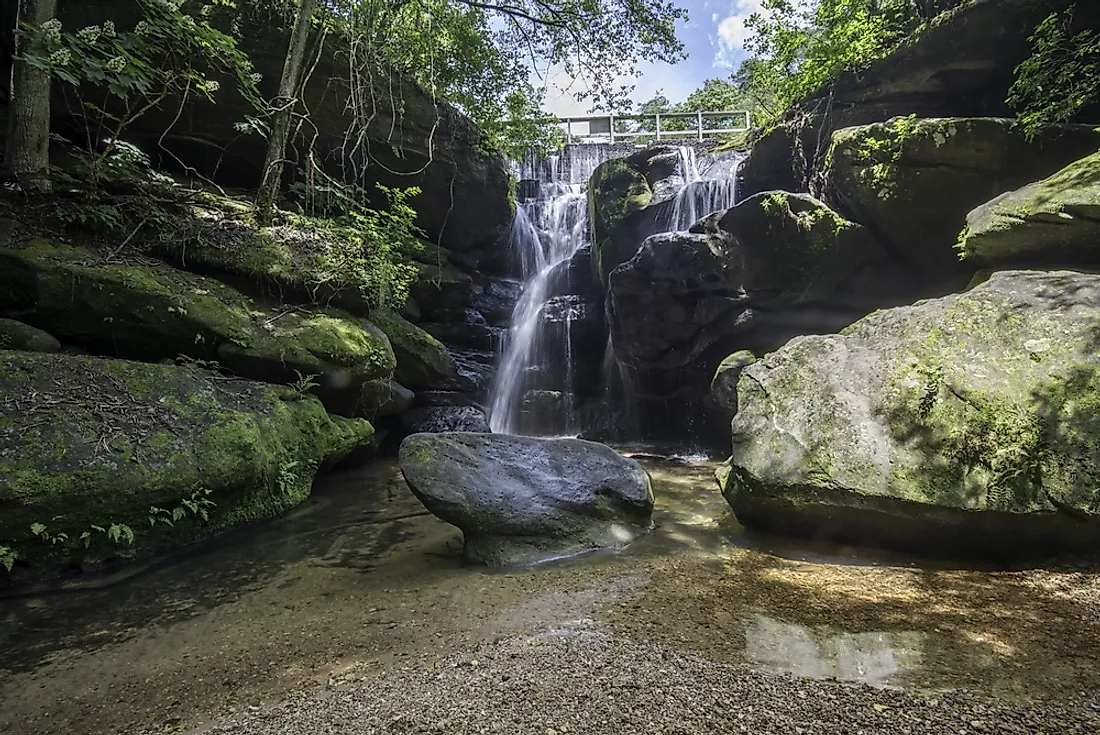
<point>15,335</point>
<point>465,327</point>
<point>961,424</point>
<point>157,435</point>
<point>473,371</point>
<point>521,500</point>
<point>495,299</point>
<point>442,398</point>
<point>438,419</point>
<point>574,340</point>
<point>441,287</point>
<point>1055,221</point>
<point>547,412</point>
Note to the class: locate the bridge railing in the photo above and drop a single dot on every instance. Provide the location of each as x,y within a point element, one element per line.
<point>661,126</point>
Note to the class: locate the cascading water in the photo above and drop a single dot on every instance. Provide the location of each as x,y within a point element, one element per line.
<point>702,194</point>
<point>546,233</point>
<point>533,389</point>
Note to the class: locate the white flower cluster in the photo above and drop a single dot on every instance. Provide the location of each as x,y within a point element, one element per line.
<point>206,11</point>
<point>256,77</point>
<point>90,34</point>
<point>117,64</point>
<point>51,31</point>
<point>187,21</point>
<point>173,4</point>
<point>213,86</point>
<point>61,57</point>
<point>142,28</point>
<point>109,29</point>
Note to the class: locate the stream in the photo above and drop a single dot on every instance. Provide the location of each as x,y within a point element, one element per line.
<point>361,580</point>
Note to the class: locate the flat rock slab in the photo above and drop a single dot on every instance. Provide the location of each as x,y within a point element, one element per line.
<point>522,500</point>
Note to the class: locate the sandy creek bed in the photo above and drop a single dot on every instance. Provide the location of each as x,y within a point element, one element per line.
<point>359,600</point>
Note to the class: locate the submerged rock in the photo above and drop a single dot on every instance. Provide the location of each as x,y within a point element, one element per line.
<point>521,500</point>
<point>88,442</point>
<point>966,423</point>
<point>1053,221</point>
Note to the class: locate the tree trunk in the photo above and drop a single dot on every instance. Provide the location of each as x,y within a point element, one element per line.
<point>283,114</point>
<point>27,152</point>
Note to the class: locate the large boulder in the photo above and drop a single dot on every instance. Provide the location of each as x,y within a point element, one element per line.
<point>962,424</point>
<point>1055,221</point>
<point>520,500</point>
<point>913,181</point>
<point>445,418</point>
<point>152,311</point>
<point>87,443</point>
<point>616,191</point>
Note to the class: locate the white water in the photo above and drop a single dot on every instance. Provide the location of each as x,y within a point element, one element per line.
<point>546,233</point>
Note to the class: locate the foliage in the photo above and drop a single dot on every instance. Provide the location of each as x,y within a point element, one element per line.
<point>366,244</point>
<point>304,384</point>
<point>798,47</point>
<point>8,557</point>
<point>1061,76</point>
<point>478,53</point>
<point>117,76</point>
<point>198,505</point>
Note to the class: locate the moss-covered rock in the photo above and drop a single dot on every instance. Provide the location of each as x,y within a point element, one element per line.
<point>792,246</point>
<point>616,190</point>
<point>1055,221</point>
<point>16,335</point>
<point>723,387</point>
<point>970,422</point>
<point>150,311</point>
<point>422,360</point>
<point>87,443</point>
<point>913,181</point>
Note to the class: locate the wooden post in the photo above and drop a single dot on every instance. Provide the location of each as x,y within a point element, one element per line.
<point>699,123</point>
<point>658,126</point>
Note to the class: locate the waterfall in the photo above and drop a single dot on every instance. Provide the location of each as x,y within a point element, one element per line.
<point>702,193</point>
<point>533,390</point>
<point>547,231</point>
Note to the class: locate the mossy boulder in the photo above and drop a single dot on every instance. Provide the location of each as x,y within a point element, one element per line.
<point>150,311</point>
<point>422,360</point>
<point>16,335</point>
<point>792,247</point>
<point>618,189</point>
<point>912,181</point>
<point>969,423</point>
<point>88,442</point>
<point>1055,221</point>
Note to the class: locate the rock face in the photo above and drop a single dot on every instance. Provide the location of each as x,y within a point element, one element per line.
<point>438,419</point>
<point>410,138</point>
<point>959,65</point>
<point>1049,222</point>
<point>520,500</point>
<point>913,181</point>
<point>966,423</point>
<point>90,442</point>
<point>153,312</point>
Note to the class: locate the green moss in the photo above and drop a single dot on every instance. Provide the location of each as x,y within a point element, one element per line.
<point>422,360</point>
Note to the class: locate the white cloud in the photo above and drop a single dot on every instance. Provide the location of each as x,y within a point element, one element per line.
<point>729,48</point>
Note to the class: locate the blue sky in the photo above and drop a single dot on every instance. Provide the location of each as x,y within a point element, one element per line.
<point>713,36</point>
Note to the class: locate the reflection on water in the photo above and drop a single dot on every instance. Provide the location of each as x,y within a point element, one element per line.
<point>877,658</point>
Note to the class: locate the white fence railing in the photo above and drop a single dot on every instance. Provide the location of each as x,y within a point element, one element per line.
<point>613,128</point>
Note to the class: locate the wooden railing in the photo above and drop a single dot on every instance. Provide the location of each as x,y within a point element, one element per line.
<point>610,128</point>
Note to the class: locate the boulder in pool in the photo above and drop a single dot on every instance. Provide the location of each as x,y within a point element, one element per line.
<point>522,500</point>
<point>967,424</point>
